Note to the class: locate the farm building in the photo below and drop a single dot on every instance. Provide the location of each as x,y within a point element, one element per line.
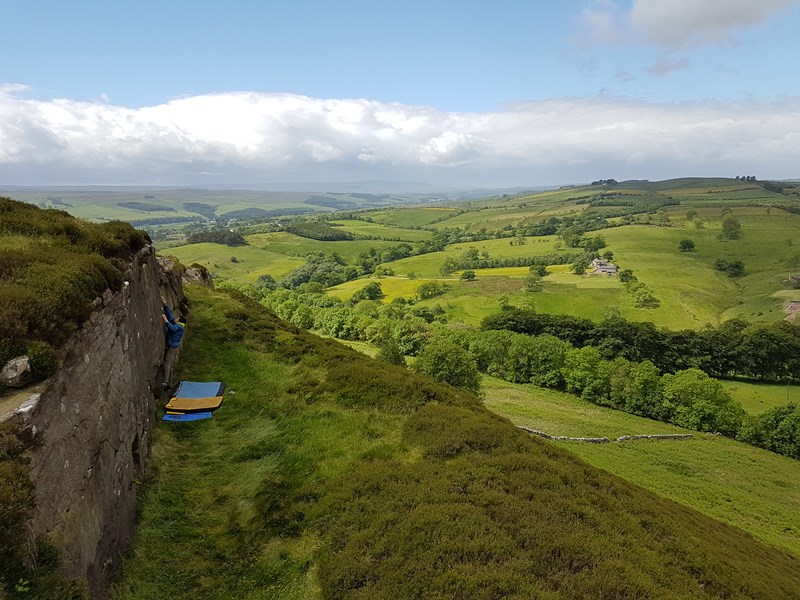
<point>603,267</point>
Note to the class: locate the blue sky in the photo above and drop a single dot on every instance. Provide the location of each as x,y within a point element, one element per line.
<point>454,93</point>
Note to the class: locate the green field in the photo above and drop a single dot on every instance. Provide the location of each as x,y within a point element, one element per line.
<point>392,287</point>
<point>759,397</point>
<point>384,232</point>
<point>252,261</point>
<point>749,488</point>
<point>294,245</point>
<point>97,203</point>
<point>410,217</point>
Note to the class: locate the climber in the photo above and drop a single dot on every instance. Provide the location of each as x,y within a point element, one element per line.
<point>175,329</point>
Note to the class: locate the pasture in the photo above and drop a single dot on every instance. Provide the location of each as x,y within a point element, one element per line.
<point>383,232</point>
<point>746,487</point>
<point>392,287</point>
<point>410,217</point>
<point>294,245</point>
<point>251,262</point>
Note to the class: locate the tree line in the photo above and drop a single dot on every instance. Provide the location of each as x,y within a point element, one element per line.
<point>764,351</point>
<point>615,363</point>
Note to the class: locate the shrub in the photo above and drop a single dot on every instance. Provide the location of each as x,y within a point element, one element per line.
<point>43,360</point>
<point>444,361</point>
<point>16,501</point>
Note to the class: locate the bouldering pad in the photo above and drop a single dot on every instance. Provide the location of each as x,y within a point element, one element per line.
<point>195,416</point>
<point>199,389</point>
<point>194,404</point>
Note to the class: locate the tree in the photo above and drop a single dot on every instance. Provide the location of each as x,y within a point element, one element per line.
<point>371,291</point>
<point>686,245</point>
<point>266,282</point>
<point>643,296</point>
<point>731,228</point>
<point>696,401</point>
<point>579,266</point>
<point>445,361</point>
<point>468,275</point>
<point>540,270</point>
<point>389,351</point>
<point>430,289</point>
<point>533,283</point>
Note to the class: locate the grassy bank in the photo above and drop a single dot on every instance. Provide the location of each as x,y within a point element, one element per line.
<point>747,487</point>
<point>327,474</point>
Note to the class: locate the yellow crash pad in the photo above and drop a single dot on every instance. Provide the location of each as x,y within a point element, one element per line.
<point>194,404</point>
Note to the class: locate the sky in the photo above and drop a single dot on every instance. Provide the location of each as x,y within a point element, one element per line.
<point>454,94</point>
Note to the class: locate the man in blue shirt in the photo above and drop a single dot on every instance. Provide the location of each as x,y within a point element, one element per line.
<point>175,329</point>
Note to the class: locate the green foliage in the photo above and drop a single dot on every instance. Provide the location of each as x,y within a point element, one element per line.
<point>686,245</point>
<point>16,502</point>
<point>389,351</point>
<point>733,268</point>
<point>532,283</point>
<point>322,483</point>
<point>318,230</point>
<point>777,429</point>
<point>371,291</point>
<point>43,360</point>
<point>444,361</point>
<point>431,289</point>
<point>47,286</point>
<point>217,236</point>
<point>696,401</point>
<point>731,228</point>
<point>468,275</point>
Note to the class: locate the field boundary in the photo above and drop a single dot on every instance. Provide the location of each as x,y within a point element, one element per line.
<point>605,440</point>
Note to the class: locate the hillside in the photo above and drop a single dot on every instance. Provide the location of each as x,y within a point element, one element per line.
<point>640,224</point>
<point>311,481</point>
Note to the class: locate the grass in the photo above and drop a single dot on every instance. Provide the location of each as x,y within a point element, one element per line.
<point>293,245</point>
<point>410,217</point>
<point>749,488</point>
<point>757,398</point>
<point>252,261</point>
<point>393,287</point>
<point>384,232</point>
<point>312,481</point>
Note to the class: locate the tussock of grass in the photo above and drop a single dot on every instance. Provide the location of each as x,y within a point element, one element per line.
<point>331,475</point>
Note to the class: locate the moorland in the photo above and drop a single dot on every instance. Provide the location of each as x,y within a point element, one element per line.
<point>314,482</point>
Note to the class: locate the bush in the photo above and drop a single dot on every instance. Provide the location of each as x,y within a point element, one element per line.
<point>47,287</point>
<point>16,501</point>
<point>444,361</point>
<point>43,360</point>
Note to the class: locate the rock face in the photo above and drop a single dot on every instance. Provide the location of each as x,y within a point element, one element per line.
<point>93,422</point>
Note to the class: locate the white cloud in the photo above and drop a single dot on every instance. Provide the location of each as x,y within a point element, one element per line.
<point>677,23</point>
<point>246,137</point>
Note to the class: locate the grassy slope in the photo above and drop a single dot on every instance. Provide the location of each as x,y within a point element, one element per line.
<point>384,231</point>
<point>294,245</point>
<point>253,261</point>
<point>311,481</point>
<point>744,486</point>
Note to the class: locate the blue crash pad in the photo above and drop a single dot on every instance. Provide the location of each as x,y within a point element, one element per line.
<point>198,416</point>
<point>199,389</point>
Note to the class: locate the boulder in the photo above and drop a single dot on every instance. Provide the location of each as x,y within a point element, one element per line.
<point>198,276</point>
<point>16,372</point>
